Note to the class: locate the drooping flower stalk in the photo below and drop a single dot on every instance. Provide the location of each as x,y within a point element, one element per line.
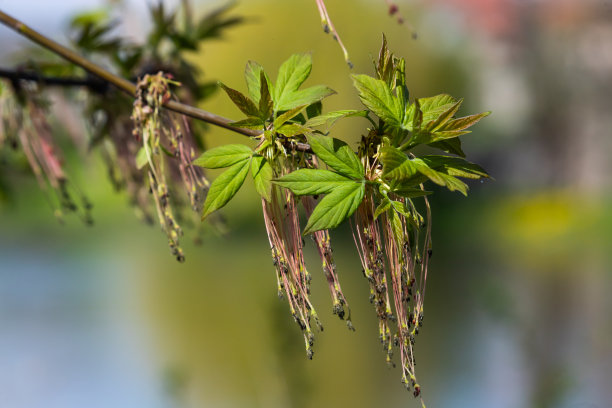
<point>328,27</point>
<point>27,110</point>
<point>286,243</point>
<point>168,150</point>
<point>369,242</point>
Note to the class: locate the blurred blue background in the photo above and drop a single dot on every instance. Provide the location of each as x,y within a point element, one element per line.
<point>518,307</point>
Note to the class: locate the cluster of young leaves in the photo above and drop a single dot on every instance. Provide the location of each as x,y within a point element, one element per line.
<point>280,111</point>
<point>399,126</point>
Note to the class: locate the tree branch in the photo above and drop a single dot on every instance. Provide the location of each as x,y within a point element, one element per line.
<point>93,84</point>
<point>121,83</point>
<point>107,76</point>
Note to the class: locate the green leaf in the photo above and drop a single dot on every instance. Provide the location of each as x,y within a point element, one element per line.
<point>452,145</point>
<point>376,95</point>
<point>291,74</point>
<point>434,106</point>
<point>244,103</point>
<point>396,227</point>
<point>444,117</point>
<point>225,187</point>
<point>266,105</point>
<point>293,129</point>
<point>335,207</point>
<point>383,207</point>
<point>223,156</point>
<point>464,122</point>
<point>286,116</point>
<point>331,117</point>
<point>409,172</point>
<point>455,166</point>
<point>337,155</point>
<point>307,96</point>
<point>396,165</point>
<point>141,158</point>
<point>262,176</point>
<point>313,181</point>
<point>249,123</point>
<point>408,190</point>
<point>252,75</point>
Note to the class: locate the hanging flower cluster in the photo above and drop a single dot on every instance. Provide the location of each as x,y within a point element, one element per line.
<point>376,188</point>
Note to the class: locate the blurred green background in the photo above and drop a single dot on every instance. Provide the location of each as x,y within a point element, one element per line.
<point>518,306</point>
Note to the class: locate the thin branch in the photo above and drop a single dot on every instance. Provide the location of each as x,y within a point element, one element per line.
<point>94,84</point>
<point>107,76</point>
<point>123,84</point>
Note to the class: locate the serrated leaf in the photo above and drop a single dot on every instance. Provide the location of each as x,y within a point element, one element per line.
<point>444,117</point>
<point>337,155</point>
<point>266,105</point>
<point>307,96</point>
<point>383,207</point>
<point>396,165</point>
<point>293,129</point>
<point>455,166</point>
<point>243,102</point>
<point>434,106</point>
<point>252,75</point>
<point>396,227</point>
<point>452,145</point>
<point>225,187</point>
<point>335,207</point>
<point>291,74</point>
<point>249,123</point>
<point>141,158</point>
<point>286,116</point>
<point>262,176</point>
<point>408,190</point>
<point>464,122</point>
<point>313,181</point>
<point>376,96</point>
<point>223,156</point>
<point>331,117</point>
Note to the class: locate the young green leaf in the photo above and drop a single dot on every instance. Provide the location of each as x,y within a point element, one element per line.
<point>291,74</point>
<point>408,190</point>
<point>252,75</point>
<point>383,207</point>
<point>444,117</point>
<point>452,145</point>
<point>244,103</point>
<point>293,129</point>
<point>464,122</point>
<point>251,122</point>
<point>225,187</point>
<point>376,95</point>
<point>396,165</point>
<point>335,207</point>
<point>337,155</point>
<point>286,116</point>
<point>262,176</point>
<point>455,166</point>
<point>434,106</point>
<point>331,117</point>
<point>313,181</point>
<point>223,156</point>
<point>266,105</point>
<point>292,99</point>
